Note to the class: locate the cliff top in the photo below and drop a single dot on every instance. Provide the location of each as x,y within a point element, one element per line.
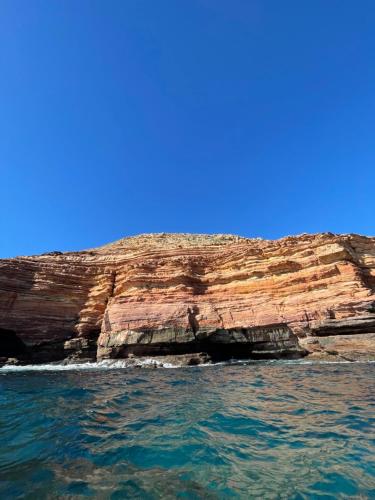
<point>187,240</point>
<point>170,241</point>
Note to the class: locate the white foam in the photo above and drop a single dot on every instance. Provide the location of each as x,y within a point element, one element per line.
<point>156,363</point>
<point>100,365</point>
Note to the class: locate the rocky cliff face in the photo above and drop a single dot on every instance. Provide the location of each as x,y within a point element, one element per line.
<point>168,294</point>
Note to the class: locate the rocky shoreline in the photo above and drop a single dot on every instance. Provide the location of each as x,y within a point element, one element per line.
<point>194,298</point>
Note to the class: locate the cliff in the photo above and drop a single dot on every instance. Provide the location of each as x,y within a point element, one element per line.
<point>177,294</point>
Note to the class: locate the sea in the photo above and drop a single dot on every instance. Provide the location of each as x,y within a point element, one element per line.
<point>269,430</point>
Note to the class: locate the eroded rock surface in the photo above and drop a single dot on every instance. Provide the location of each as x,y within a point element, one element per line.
<point>177,294</point>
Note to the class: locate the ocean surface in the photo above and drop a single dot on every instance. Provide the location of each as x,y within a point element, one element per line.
<point>248,430</point>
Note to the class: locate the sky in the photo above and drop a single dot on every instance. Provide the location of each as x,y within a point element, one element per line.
<point>251,117</point>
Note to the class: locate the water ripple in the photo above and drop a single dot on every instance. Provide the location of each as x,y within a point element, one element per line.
<point>261,430</point>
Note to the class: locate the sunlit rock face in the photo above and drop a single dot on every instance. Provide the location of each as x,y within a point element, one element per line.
<point>165,294</point>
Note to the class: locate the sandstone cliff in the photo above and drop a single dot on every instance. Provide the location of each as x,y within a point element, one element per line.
<point>166,294</point>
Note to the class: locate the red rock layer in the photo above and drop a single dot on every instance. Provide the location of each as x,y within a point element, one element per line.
<point>316,284</point>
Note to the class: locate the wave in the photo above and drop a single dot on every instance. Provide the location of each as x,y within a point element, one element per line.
<point>271,428</point>
<point>156,363</point>
<point>99,365</point>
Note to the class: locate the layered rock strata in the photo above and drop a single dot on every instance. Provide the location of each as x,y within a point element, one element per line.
<point>178,294</point>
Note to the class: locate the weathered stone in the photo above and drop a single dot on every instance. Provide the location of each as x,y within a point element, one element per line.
<point>177,293</point>
<point>362,324</point>
<point>9,361</point>
<point>258,342</point>
<point>358,347</point>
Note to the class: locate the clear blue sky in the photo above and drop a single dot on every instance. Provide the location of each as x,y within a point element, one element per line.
<point>254,117</point>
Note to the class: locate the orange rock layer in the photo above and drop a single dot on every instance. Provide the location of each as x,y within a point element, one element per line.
<point>185,290</point>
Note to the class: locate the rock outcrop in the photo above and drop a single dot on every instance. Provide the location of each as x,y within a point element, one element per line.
<point>178,294</point>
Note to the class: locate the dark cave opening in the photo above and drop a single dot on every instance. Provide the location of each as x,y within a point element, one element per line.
<point>10,344</point>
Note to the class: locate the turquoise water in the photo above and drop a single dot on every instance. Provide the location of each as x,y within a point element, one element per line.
<point>261,430</point>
